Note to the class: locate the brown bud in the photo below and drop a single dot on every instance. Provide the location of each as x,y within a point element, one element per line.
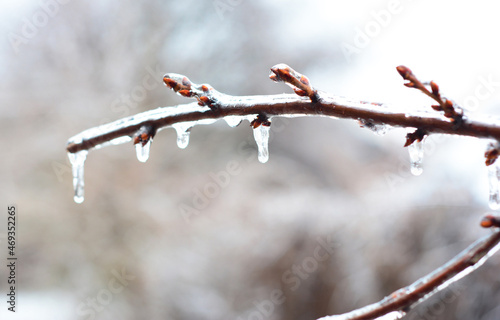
<point>255,123</point>
<point>405,72</point>
<point>185,93</point>
<point>437,107</point>
<point>490,221</point>
<point>491,156</point>
<point>435,89</point>
<point>300,92</point>
<point>417,135</point>
<point>186,82</point>
<point>205,100</point>
<point>204,88</point>
<point>304,80</point>
<point>171,83</point>
<point>409,84</point>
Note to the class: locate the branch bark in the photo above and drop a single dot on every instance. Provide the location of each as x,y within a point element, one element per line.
<point>306,102</point>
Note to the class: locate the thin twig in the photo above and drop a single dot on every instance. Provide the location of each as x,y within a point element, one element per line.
<point>405,299</point>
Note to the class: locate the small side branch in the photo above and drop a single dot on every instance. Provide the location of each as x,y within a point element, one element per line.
<point>403,300</point>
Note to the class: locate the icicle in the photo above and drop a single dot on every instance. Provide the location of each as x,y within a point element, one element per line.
<point>494,182</point>
<point>261,135</point>
<point>183,131</point>
<point>142,152</point>
<point>233,121</point>
<point>77,162</point>
<point>416,150</point>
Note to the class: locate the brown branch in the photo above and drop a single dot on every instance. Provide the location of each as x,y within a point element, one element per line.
<point>405,299</point>
<point>308,101</point>
<point>211,104</point>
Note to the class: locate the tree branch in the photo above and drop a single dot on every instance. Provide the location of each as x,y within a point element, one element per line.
<point>403,300</point>
<point>307,102</point>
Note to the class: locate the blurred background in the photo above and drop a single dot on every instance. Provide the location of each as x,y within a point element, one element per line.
<point>332,222</point>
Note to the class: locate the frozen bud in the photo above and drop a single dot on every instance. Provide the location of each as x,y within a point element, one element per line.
<point>491,154</point>
<point>435,88</point>
<point>490,221</point>
<point>185,93</point>
<point>186,82</point>
<point>171,83</point>
<point>304,80</point>
<point>405,72</point>
<point>300,92</point>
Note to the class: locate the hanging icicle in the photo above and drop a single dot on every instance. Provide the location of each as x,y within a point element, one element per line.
<point>416,150</point>
<point>77,162</point>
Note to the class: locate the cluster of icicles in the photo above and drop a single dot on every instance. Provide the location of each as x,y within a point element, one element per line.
<point>77,160</point>
<point>261,136</point>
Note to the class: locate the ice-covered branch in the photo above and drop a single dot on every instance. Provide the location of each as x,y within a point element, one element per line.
<point>399,303</point>
<point>213,105</point>
<point>307,101</point>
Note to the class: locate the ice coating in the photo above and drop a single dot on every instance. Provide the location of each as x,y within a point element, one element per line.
<point>77,165</point>
<point>416,150</point>
<point>233,121</point>
<point>395,315</point>
<point>142,151</point>
<point>494,182</point>
<point>136,120</point>
<point>183,130</point>
<point>261,135</point>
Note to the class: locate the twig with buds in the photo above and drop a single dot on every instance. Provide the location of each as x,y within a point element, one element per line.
<point>212,104</point>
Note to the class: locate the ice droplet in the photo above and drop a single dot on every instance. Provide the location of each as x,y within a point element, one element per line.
<point>261,135</point>
<point>183,131</point>
<point>142,152</point>
<point>416,150</point>
<point>233,121</point>
<point>494,182</point>
<point>378,129</point>
<point>77,163</point>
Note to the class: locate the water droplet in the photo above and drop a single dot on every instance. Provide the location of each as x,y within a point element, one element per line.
<point>494,182</point>
<point>233,121</point>
<point>261,135</point>
<point>416,150</point>
<point>378,129</point>
<point>77,165</point>
<point>142,152</point>
<point>183,131</point>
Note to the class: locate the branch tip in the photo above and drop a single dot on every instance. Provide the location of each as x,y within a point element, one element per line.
<point>298,82</point>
